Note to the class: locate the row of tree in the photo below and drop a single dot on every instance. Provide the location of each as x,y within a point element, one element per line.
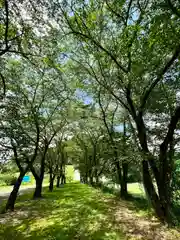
<point>104,74</point>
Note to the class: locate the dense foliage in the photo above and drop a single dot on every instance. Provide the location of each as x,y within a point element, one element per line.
<point>95,84</point>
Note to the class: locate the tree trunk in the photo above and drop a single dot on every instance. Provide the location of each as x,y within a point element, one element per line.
<point>58,181</point>
<point>63,179</point>
<point>119,174</point>
<point>38,189</point>
<point>51,182</point>
<point>97,180</point>
<point>165,192</point>
<point>13,195</point>
<point>124,192</point>
<point>51,185</point>
<point>39,178</point>
<point>81,177</point>
<point>159,202</point>
<point>91,180</point>
<point>86,178</point>
<point>151,192</point>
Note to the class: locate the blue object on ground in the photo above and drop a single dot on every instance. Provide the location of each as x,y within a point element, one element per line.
<point>26,179</point>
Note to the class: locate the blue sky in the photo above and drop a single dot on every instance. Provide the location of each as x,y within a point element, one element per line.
<point>82,95</point>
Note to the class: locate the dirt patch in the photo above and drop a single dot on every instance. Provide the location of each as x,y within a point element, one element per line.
<point>139,227</point>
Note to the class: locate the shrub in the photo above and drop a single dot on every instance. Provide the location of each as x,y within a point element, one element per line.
<point>2,183</point>
<point>10,180</point>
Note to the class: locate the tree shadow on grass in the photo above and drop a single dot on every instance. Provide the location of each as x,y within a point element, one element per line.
<point>73,212</point>
<point>137,203</point>
<point>77,211</point>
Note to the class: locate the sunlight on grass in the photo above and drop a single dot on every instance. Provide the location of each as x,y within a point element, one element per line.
<point>69,173</point>
<point>78,211</point>
<point>73,212</point>
<point>7,189</point>
<point>136,189</point>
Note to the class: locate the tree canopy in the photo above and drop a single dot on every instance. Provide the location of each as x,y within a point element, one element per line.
<point>95,84</point>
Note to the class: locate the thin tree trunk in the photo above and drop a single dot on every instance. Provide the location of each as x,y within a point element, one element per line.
<point>51,182</point>
<point>81,177</point>
<point>119,174</point>
<point>38,189</point>
<point>58,182</point>
<point>124,192</point>
<point>64,174</point>
<point>39,179</point>
<point>62,179</point>
<point>86,178</point>
<point>97,180</point>
<point>91,180</point>
<point>51,185</point>
<point>13,195</point>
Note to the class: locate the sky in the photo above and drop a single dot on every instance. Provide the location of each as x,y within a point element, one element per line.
<point>82,95</point>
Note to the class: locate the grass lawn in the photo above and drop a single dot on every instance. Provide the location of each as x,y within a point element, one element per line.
<point>136,189</point>
<point>24,185</point>
<point>78,211</point>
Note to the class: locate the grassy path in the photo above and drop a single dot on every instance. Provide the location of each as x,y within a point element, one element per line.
<point>79,212</point>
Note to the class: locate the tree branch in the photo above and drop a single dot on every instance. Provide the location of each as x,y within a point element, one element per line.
<point>132,40</point>
<point>74,31</point>
<point>104,116</point>
<point>158,78</point>
<point>101,47</point>
<point>6,23</point>
<point>115,13</point>
<point>172,126</point>
<point>4,83</point>
<point>173,8</point>
<point>130,102</point>
<point>128,10</point>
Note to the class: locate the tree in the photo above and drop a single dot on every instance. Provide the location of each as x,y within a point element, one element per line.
<point>52,164</point>
<point>20,133</point>
<point>121,50</point>
<point>51,124</point>
<point>121,166</point>
<point>29,120</point>
<point>56,159</point>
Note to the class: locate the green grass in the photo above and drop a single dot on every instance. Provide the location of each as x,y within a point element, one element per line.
<point>75,211</point>
<point>136,189</point>
<point>137,198</point>
<point>78,211</point>
<point>5,188</point>
<point>69,173</point>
